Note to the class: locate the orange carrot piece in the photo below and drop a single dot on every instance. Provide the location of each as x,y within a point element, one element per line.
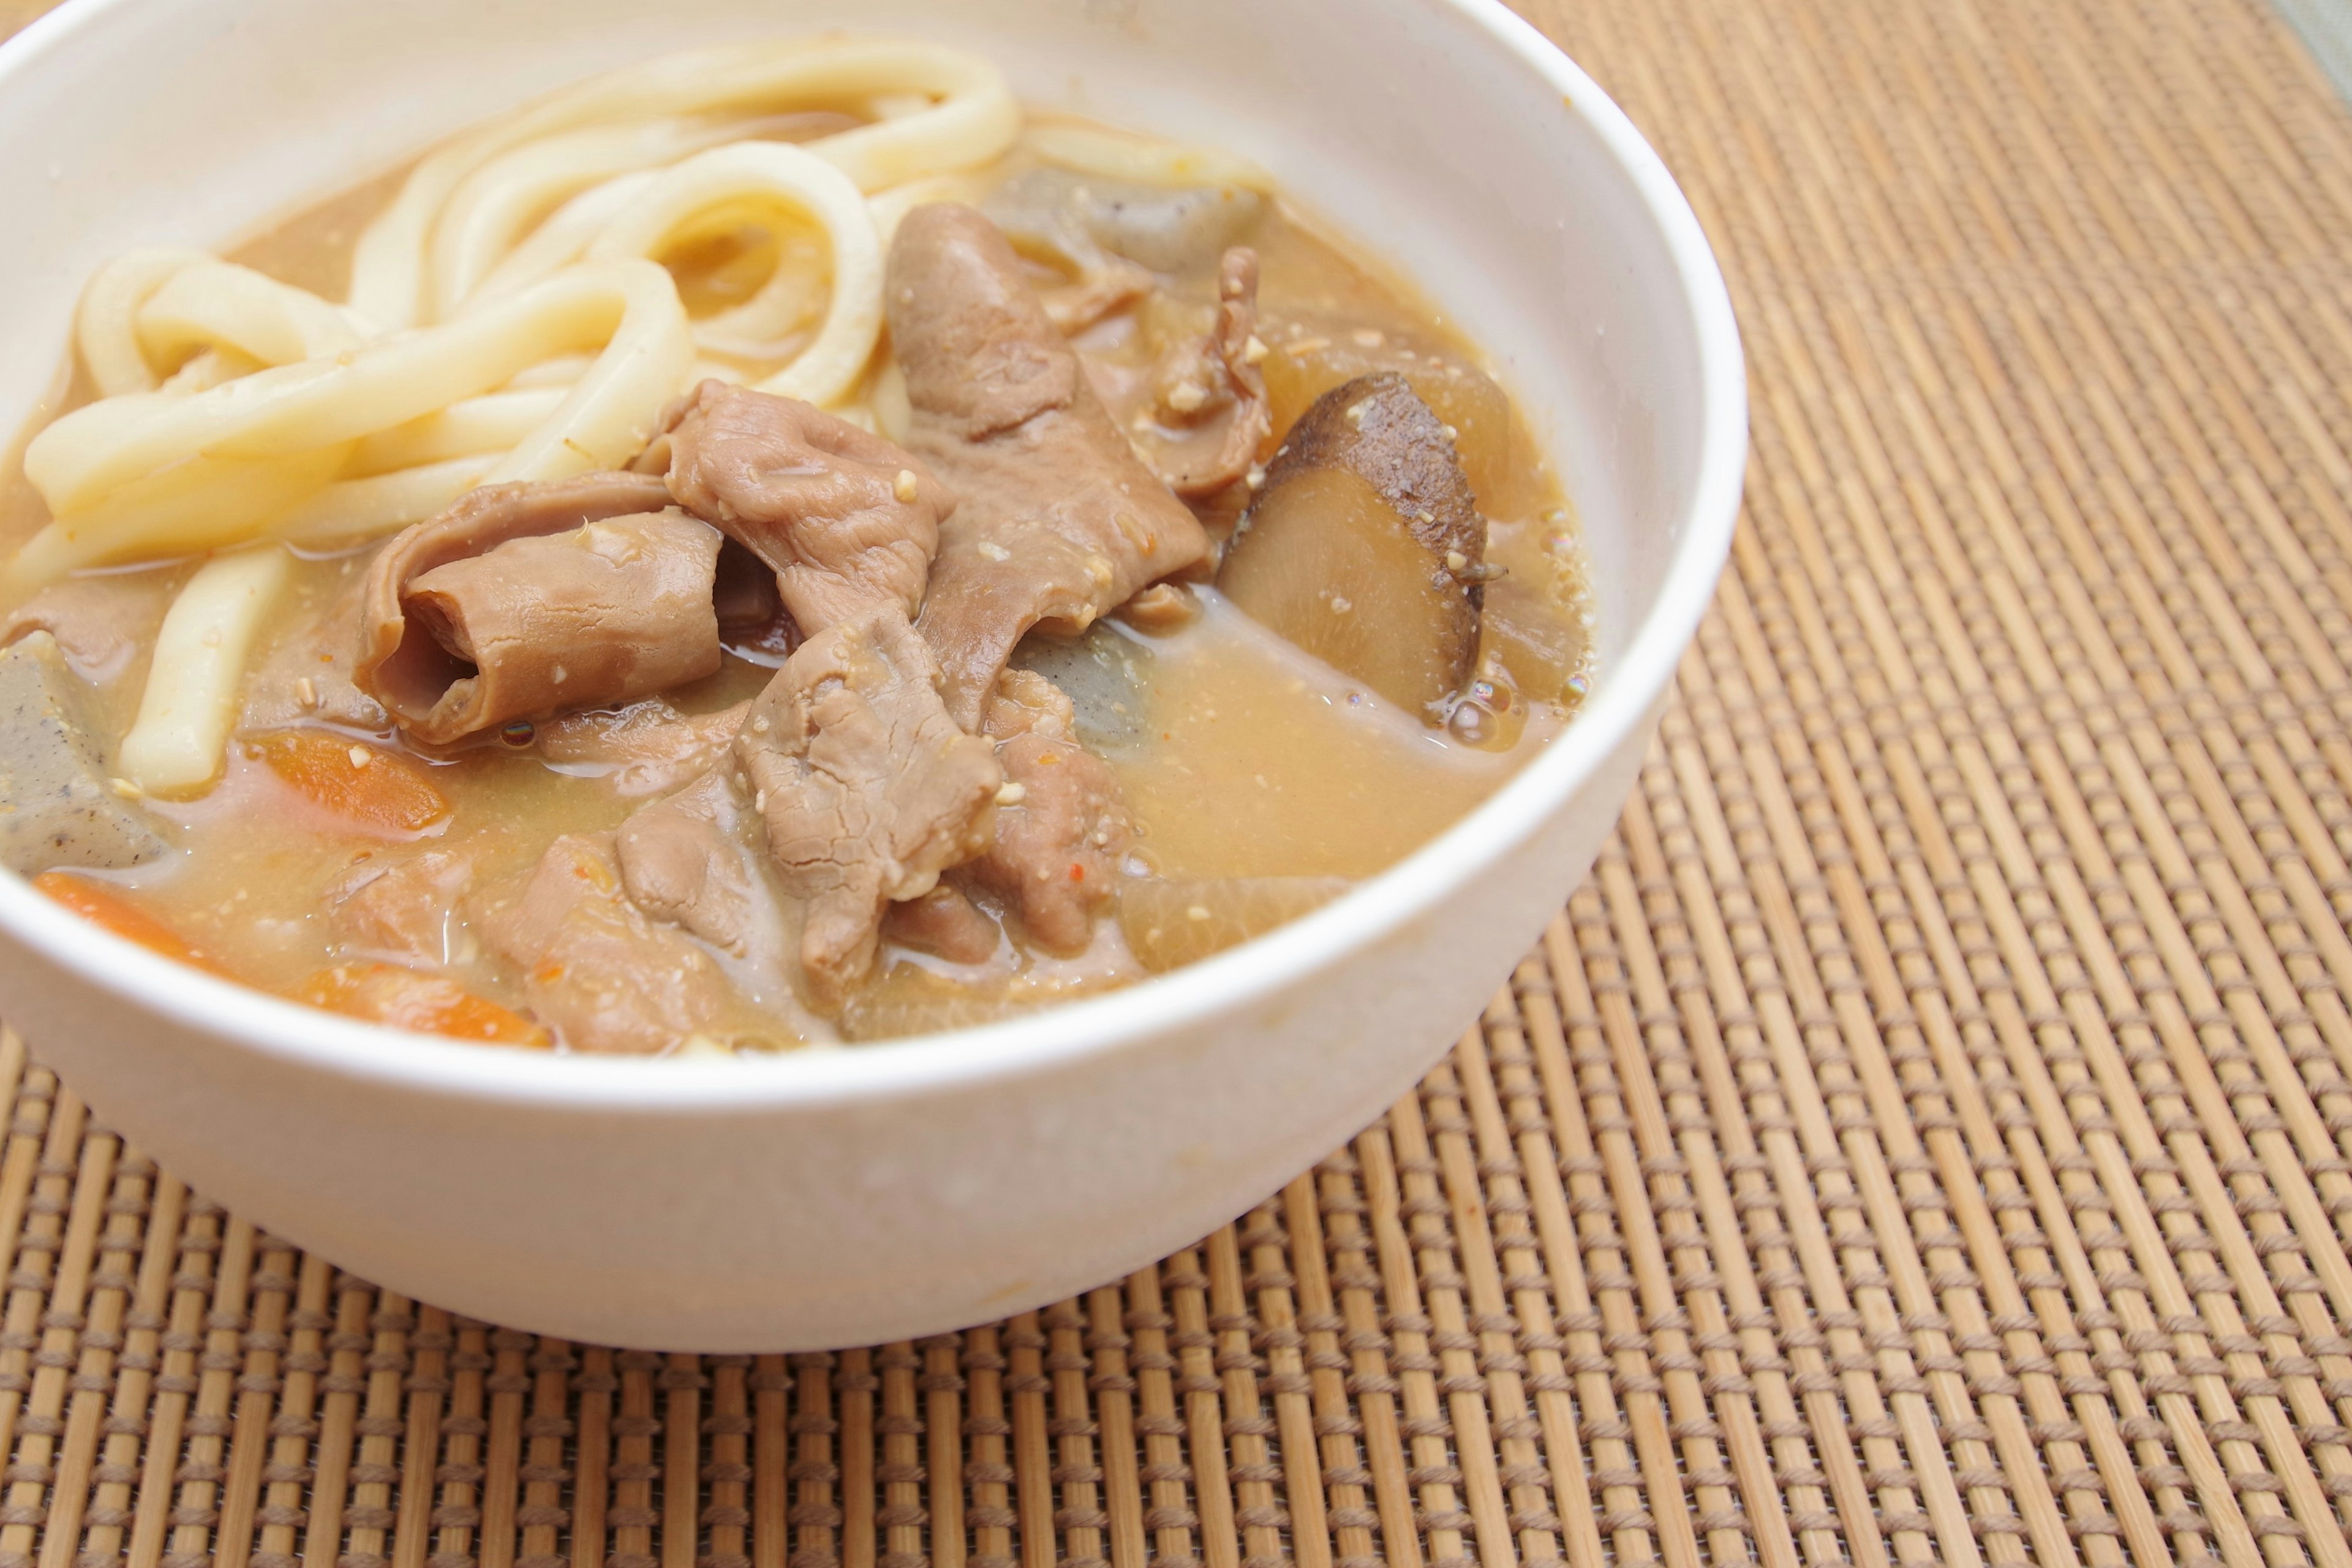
<point>110,910</point>
<point>365,784</point>
<point>409,999</point>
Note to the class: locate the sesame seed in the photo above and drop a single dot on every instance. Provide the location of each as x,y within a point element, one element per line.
<point>1012,792</point>
<point>361,756</point>
<point>908,487</point>
<point>1197,913</point>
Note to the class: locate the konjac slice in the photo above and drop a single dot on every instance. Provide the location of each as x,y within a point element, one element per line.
<point>1365,547</point>
<point>412,999</point>
<point>363,784</point>
<point>1169,924</point>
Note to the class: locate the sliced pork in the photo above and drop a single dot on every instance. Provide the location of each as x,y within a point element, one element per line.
<point>523,599</point>
<point>945,922</point>
<point>102,622</point>
<point>848,520</point>
<point>1062,827</point>
<point>867,787</point>
<point>1057,520</point>
<point>404,906</point>
<point>593,966</point>
<point>683,860</point>
<point>1210,410</point>
<point>306,677</point>
<point>645,748</point>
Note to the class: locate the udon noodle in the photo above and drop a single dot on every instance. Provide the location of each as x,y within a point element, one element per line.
<point>507,318</point>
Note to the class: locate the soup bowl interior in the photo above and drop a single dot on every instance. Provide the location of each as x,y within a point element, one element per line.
<point>853,1195</point>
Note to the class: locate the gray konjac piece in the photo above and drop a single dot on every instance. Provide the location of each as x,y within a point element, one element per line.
<point>56,807</point>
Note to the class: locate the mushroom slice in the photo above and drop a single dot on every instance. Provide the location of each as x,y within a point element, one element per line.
<point>1365,547</point>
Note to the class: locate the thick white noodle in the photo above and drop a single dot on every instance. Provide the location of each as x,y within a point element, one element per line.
<point>1140,159</point>
<point>510,319</point>
<point>971,118</point>
<point>499,202</point>
<point>110,471</point>
<point>894,412</point>
<point>176,744</point>
<point>492,423</point>
<point>219,305</point>
<point>747,176</point>
<point>201,503</point>
<point>563,240</point>
<point>209,368</point>
<point>106,322</point>
<point>353,512</point>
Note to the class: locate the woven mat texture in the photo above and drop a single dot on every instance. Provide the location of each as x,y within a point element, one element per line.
<point>1923,1140</point>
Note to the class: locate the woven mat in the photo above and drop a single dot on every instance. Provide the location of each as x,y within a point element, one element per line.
<point>1924,1139</point>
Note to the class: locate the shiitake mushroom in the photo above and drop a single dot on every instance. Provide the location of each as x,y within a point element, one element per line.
<point>1365,547</point>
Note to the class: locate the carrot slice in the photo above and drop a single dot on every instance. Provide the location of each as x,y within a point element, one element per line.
<point>408,999</point>
<point>110,910</point>
<point>365,784</point>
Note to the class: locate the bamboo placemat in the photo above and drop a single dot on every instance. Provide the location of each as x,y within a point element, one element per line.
<point>1924,1139</point>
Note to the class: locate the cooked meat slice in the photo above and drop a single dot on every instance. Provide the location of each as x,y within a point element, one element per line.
<point>614,610</point>
<point>1104,288</point>
<point>102,622</point>
<point>869,788</point>
<point>1063,829</point>
<point>1057,520</point>
<point>683,860</point>
<point>646,747</point>
<point>1209,410</point>
<point>595,968</point>
<point>1365,546</point>
<point>612,588</point>
<point>305,676</point>
<point>57,805</point>
<point>945,922</point>
<point>1161,608</point>
<point>846,520</point>
<point>753,621</point>
<point>404,906</point>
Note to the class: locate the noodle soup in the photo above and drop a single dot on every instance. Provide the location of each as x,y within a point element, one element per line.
<point>771,547</point>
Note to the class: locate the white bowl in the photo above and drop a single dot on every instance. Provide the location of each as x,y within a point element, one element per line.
<point>853,1196</point>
